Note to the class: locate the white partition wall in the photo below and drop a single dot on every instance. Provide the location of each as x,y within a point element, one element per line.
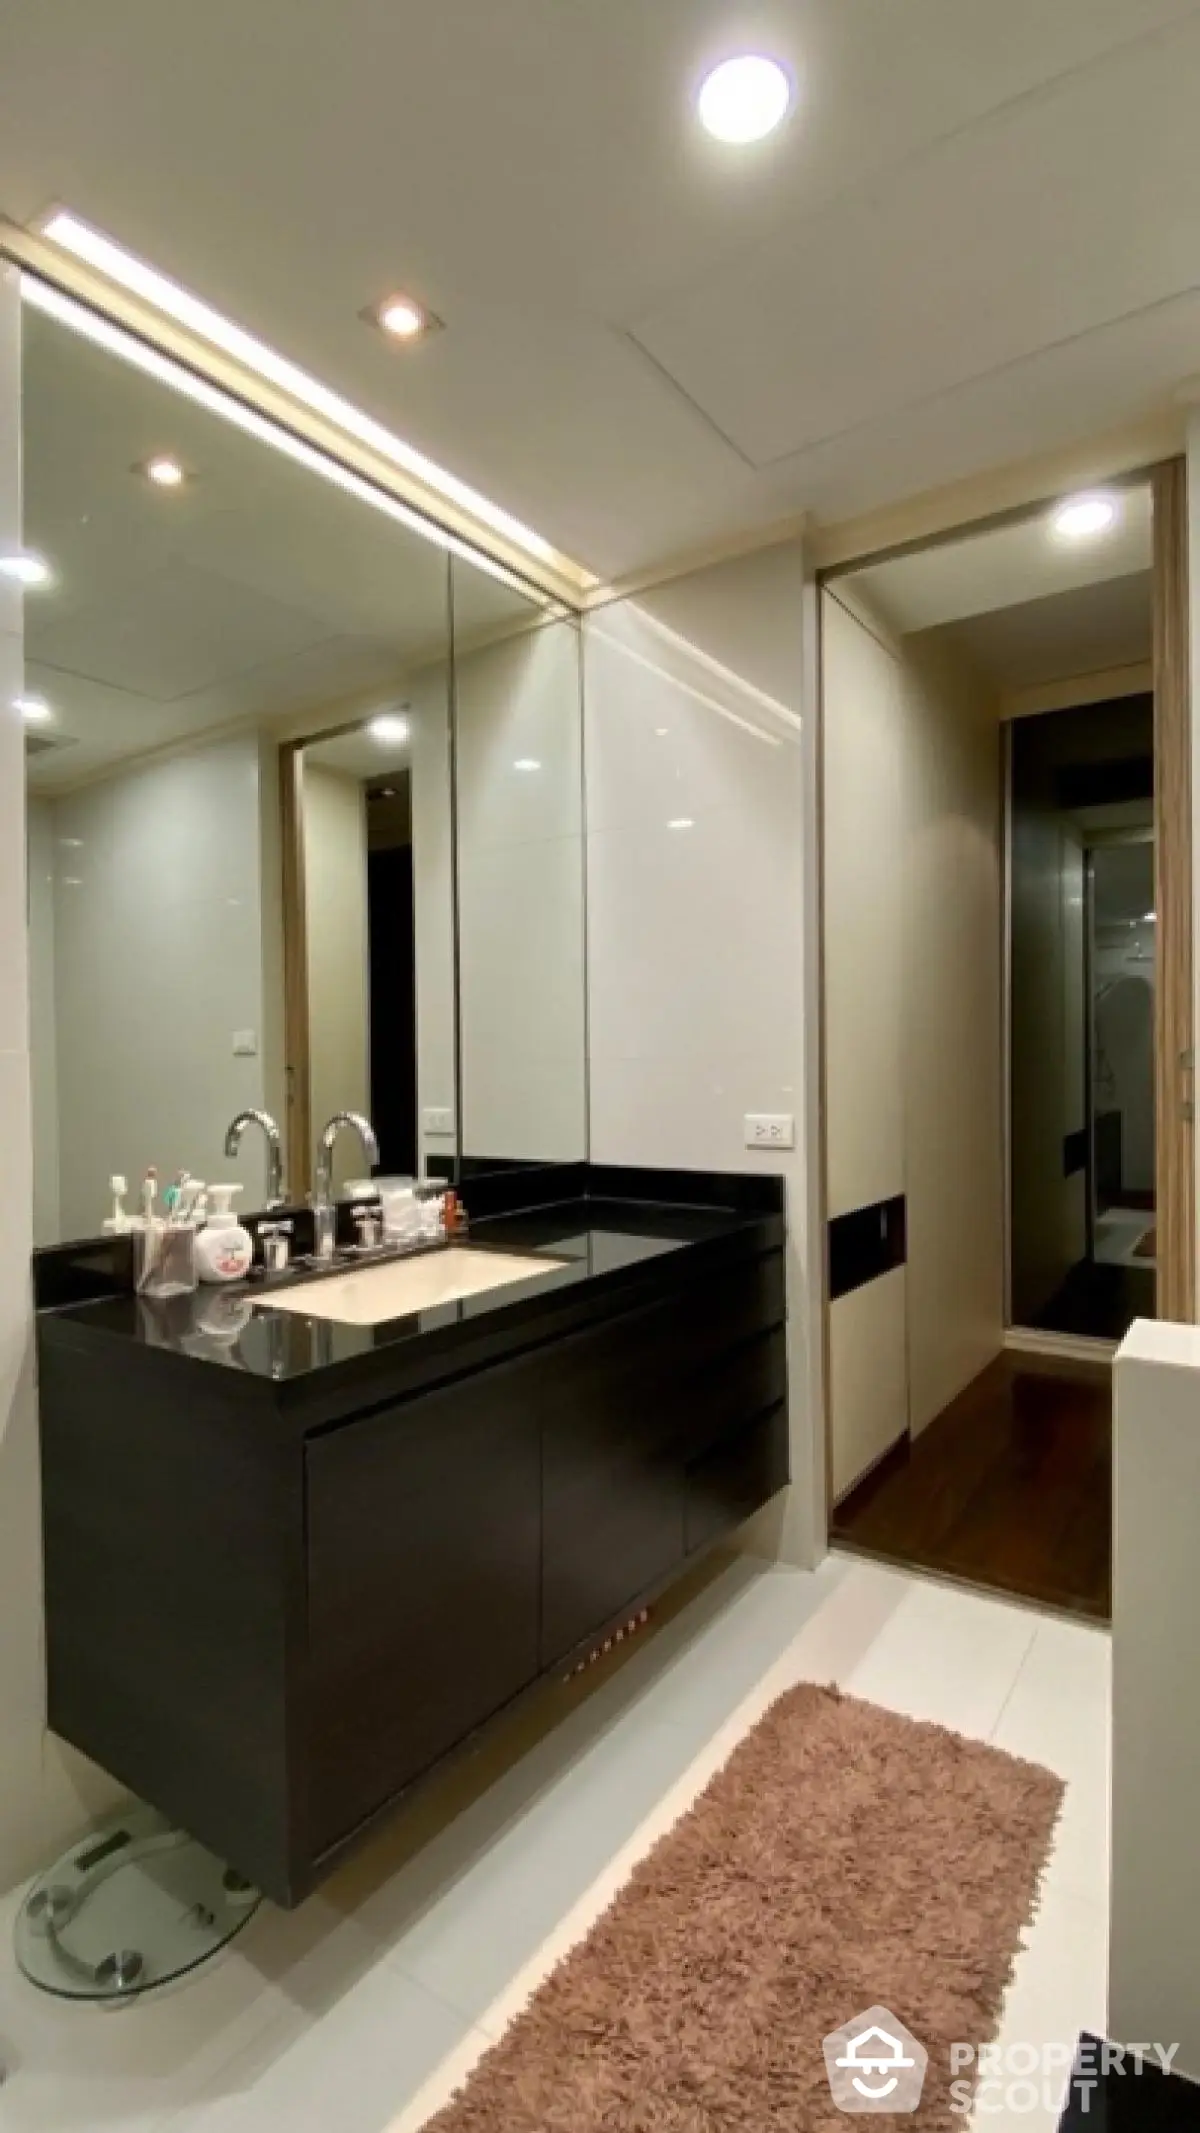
<point>1154,1958</point>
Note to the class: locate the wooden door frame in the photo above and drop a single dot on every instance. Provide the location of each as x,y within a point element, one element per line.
<point>1174,1005</point>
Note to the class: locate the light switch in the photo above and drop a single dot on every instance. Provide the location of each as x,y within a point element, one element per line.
<point>770,1129</point>
<point>245,1044</point>
<point>436,1118</point>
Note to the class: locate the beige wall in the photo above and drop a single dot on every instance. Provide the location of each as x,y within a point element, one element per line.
<point>953,1042</point>
<point>335,883</point>
<point>914,1064</point>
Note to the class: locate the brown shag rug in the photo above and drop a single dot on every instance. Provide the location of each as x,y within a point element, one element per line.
<point>844,1858</point>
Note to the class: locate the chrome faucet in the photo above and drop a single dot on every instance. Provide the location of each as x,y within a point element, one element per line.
<point>276,1196</point>
<point>324,1212</point>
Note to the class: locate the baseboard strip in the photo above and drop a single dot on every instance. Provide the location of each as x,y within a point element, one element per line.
<point>1030,1340</point>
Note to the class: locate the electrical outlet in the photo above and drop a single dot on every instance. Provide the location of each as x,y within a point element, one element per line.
<point>437,1118</point>
<point>770,1129</point>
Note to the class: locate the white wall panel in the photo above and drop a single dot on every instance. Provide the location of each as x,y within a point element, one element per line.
<point>521,894</point>
<point>868,1379</point>
<point>953,1045</point>
<point>158,962</point>
<point>864,788</point>
<point>698,845</point>
<point>46,1792</point>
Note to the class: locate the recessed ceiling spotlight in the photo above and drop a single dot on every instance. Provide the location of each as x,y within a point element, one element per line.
<point>527,762</point>
<point>744,99</point>
<point>388,728</point>
<point>25,568</point>
<point>1084,518</point>
<point>165,473</point>
<point>682,822</point>
<point>403,318</point>
<point>33,709</point>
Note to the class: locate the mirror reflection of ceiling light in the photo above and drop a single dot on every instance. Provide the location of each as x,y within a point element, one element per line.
<point>744,99</point>
<point>173,301</point>
<point>682,822</point>
<point>33,709</point>
<point>527,762</point>
<point>26,569</point>
<point>104,333</point>
<point>1084,518</point>
<point>1150,919</point>
<point>164,473</point>
<point>388,728</point>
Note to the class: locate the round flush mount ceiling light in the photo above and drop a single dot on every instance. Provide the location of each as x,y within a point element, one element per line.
<point>33,709</point>
<point>26,569</point>
<point>1084,518</point>
<point>402,318</point>
<point>164,472</point>
<point>744,99</point>
<point>388,729</point>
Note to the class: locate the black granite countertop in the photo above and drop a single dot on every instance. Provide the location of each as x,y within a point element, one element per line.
<point>590,1243</point>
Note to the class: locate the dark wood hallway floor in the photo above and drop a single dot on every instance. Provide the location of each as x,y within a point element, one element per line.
<point>1010,1487</point>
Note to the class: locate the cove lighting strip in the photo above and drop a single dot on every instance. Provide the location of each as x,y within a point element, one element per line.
<point>164,295</point>
<point>93,326</point>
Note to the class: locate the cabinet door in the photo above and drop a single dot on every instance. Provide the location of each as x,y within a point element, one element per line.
<point>423,1565</point>
<point>627,1408</point>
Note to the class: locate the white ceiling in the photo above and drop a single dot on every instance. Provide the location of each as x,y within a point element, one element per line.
<point>1065,637</point>
<point>1004,566</point>
<point>258,592</point>
<point>1027,609</point>
<point>978,236</point>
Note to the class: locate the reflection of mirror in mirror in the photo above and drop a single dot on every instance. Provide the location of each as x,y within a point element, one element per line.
<point>377,849</point>
<point>184,630</point>
<point>519,793</point>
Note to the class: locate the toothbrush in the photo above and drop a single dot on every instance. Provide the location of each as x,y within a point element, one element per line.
<point>191,1192</point>
<point>173,1193</point>
<point>149,1189</point>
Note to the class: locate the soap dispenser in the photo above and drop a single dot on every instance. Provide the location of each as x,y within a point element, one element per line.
<point>224,1249</point>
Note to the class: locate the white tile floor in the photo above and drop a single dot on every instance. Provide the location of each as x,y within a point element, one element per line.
<point>361,2011</point>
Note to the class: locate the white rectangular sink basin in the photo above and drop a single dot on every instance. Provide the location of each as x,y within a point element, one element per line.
<point>370,1295</point>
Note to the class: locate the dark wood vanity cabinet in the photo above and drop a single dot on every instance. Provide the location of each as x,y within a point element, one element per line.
<point>270,1617</point>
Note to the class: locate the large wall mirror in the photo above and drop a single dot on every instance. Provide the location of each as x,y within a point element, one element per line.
<point>305,825</point>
